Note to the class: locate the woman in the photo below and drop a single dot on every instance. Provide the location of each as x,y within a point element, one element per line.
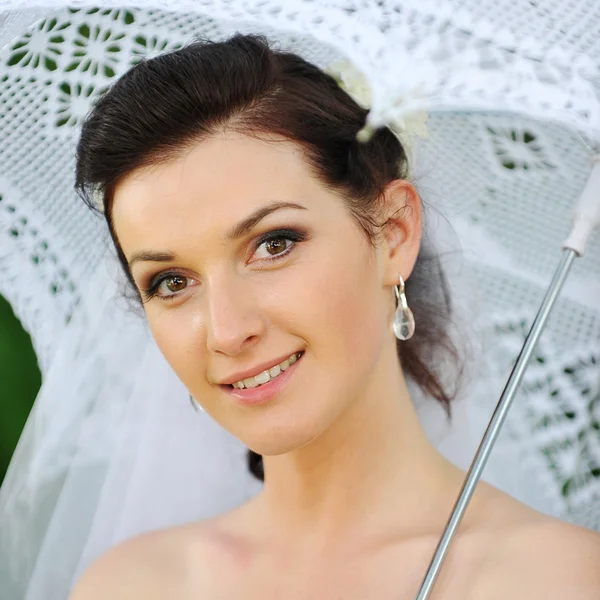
<point>269,249</point>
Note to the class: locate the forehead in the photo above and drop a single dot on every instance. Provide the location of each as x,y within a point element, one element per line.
<point>214,180</point>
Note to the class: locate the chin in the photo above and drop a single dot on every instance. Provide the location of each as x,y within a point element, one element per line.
<point>275,435</point>
<point>280,444</point>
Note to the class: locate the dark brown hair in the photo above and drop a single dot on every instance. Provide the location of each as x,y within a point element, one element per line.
<point>163,105</point>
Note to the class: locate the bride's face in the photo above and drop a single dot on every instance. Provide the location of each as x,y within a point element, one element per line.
<point>245,259</point>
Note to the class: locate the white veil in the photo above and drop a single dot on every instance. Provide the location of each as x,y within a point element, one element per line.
<point>112,446</point>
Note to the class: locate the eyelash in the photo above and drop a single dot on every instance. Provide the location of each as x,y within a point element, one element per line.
<point>292,235</point>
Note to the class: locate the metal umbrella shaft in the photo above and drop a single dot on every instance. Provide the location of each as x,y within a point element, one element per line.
<point>493,429</point>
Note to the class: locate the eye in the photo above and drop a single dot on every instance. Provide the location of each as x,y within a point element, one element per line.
<point>167,286</point>
<point>171,285</point>
<point>277,244</point>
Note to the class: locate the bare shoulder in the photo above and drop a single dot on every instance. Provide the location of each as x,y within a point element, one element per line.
<point>542,558</point>
<point>157,565</point>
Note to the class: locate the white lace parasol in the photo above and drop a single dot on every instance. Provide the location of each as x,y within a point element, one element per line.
<point>513,92</point>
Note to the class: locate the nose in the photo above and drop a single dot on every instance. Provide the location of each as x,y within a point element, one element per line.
<point>234,321</point>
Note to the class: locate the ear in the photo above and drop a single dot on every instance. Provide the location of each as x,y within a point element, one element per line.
<point>402,231</point>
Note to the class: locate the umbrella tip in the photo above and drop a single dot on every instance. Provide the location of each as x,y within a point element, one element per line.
<point>587,211</point>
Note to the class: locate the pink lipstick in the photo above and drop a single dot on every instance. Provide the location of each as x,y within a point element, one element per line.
<point>263,393</point>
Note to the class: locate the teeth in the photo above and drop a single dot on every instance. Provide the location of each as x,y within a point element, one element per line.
<point>263,377</point>
<point>250,382</point>
<point>266,376</point>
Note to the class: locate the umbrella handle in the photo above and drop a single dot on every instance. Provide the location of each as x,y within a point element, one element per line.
<point>586,219</point>
<point>493,429</point>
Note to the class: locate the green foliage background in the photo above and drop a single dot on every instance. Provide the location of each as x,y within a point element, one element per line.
<point>20,381</point>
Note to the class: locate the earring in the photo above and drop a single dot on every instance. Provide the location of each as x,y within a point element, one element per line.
<point>196,405</point>
<point>404,320</point>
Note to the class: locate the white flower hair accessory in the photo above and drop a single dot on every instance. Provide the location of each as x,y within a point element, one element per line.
<point>406,128</point>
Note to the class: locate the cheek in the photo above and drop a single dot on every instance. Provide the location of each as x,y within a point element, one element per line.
<point>352,314</point>
<point>175,333</point>
<point>342,306</point>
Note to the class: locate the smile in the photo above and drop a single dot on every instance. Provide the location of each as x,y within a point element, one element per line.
<point>280,377</point>
<point>267,375</point>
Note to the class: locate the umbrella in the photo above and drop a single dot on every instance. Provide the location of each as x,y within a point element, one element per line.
<point>514,118</point>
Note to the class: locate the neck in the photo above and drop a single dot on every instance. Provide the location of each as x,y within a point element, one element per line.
<point>373,472</point>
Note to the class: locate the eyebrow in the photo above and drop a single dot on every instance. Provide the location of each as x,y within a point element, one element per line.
<point>237,231</point>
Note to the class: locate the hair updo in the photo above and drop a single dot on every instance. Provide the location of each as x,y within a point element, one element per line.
<point>163,105</point>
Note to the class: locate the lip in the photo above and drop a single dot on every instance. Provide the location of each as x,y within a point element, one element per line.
<point>256,370</point>
<point>262,393</point>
